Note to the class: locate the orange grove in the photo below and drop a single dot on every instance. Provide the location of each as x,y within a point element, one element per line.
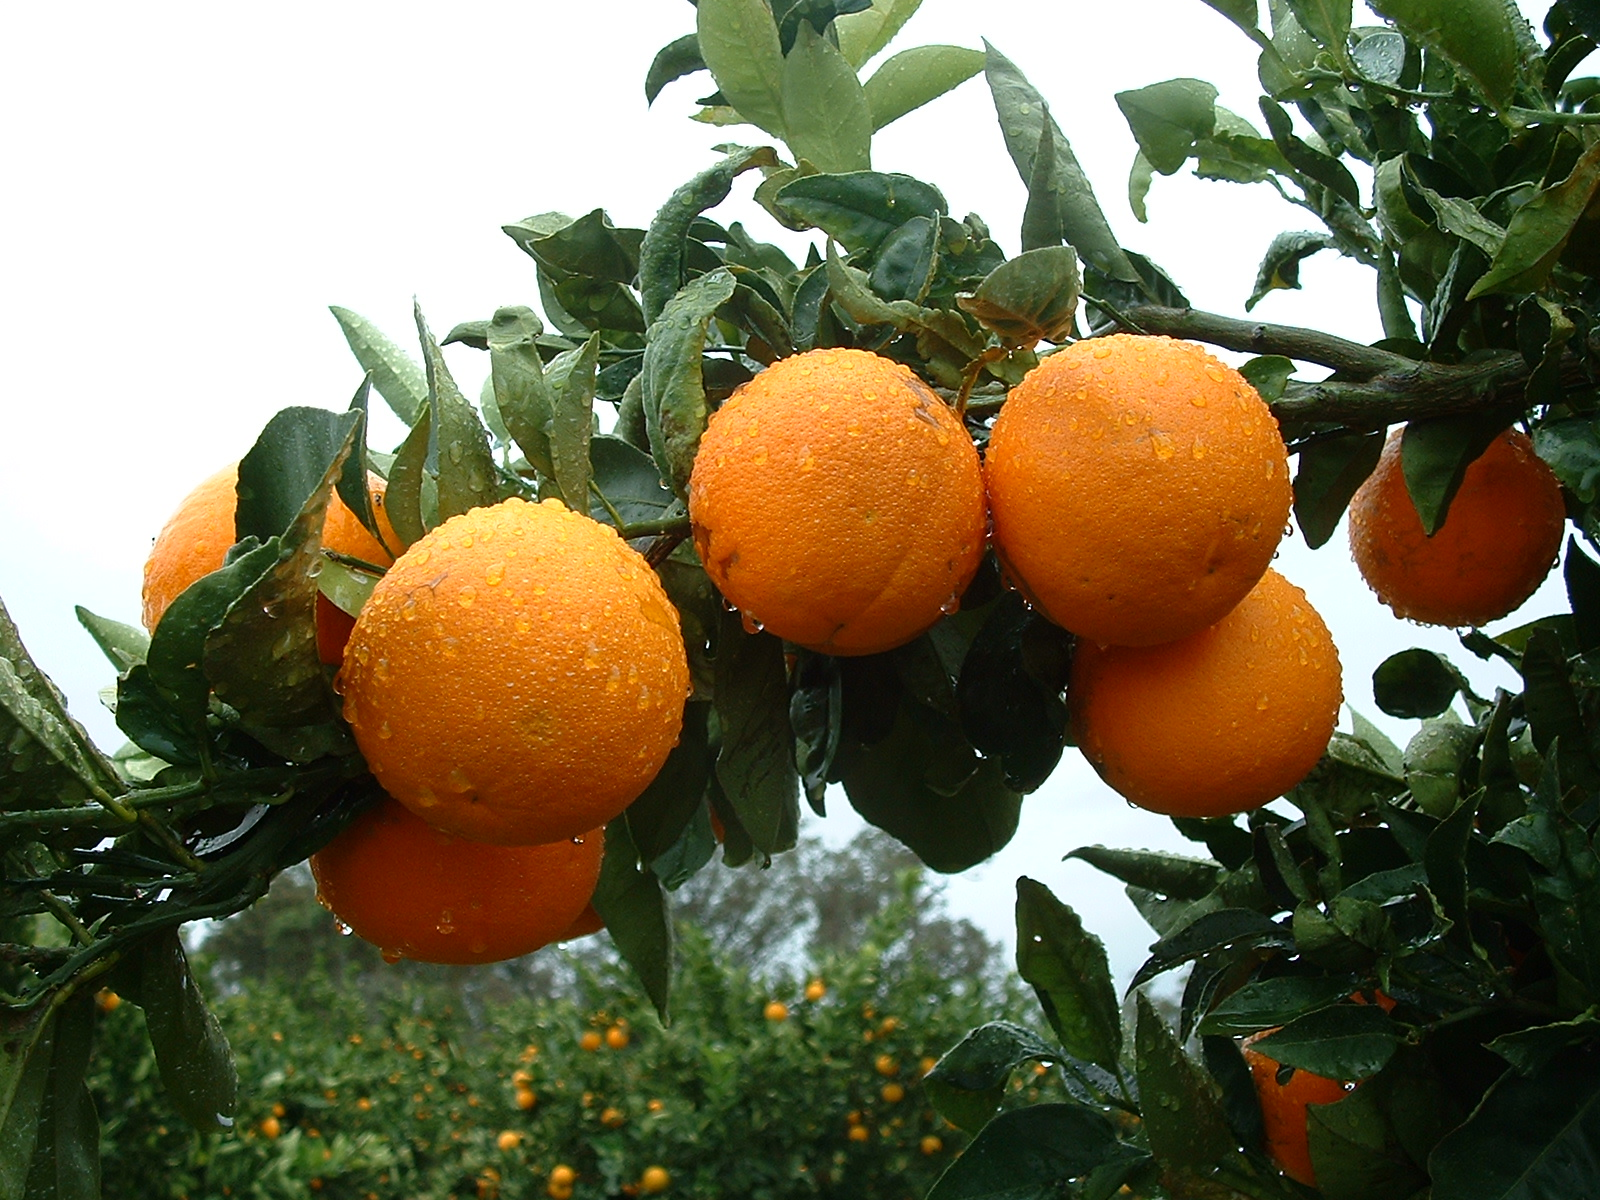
<point>1219,722</point>
<point>837,501</point>
<point>417,892</point>
<point>1138,488</point>
<point>518,676</point>
<point>1283,1110</point>
<point>1499,539</point>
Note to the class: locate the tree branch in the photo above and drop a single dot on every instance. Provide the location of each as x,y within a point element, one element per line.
<point>1258,337</point>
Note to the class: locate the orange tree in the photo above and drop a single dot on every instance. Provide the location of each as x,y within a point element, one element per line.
<point>1456,876</point>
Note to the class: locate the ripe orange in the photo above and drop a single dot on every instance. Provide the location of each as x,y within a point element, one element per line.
<point>816,990</point>
<point>526,1099</point>
<point>612,1118</point>
<point>509,1139</point>
<point>931,1144</point>
<point>838,502</point>
<point>858,1133</point>
<point>1498,541</point>
<point>271,1127</point>
<point>591,1041</point>
<point>892,1093</point>
<point>886,1064</point>
<point>196,538</point>
<point>654,1179</point>
<point>1138,488</point>
<point>588,922</point>
<point>617,1037</point>
<point>1219,722</point>
<point>518,676</point>
<point>417,892</point>
<point>562,1175</point>
<point>1283,1110</point>
<point>776,1010</point>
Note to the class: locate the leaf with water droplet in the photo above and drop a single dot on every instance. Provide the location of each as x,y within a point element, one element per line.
<point>1182,1107</point>
<point>192,1052</point>
<point>398,379</point>
<point>1030,298</point>
<point>756,764</point>
<point>631,902</point>
<point>674,385</point>
<point>572,424</point>
<point>468,477</point>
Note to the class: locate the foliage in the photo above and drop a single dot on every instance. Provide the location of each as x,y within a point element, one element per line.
<point>405,1089</point>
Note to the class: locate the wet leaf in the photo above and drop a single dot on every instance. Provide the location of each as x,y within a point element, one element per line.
<point>1531,1049</point>
<point>906,261</point>
<point>1344,1041</point>
<point>1211,931</point>
<point>1539,230</point>
<point>66,1151</point>
<point>27,1043</point>
<point>816,715</point>
<point>47,757</point>
<point>1168,118</point>
<point>911,78</point>
<point>1435,455</point>
<point>631,902</point>
<point>860,209</point>
<point>756,764</point>
<point>1356,1150</point>
<point>1166,874</point>
<point>467,474</point>
<point>287,465</point>
<point>674,386</point>
<point>1030,298</point>
<point>967,1085</point>
<point>826,119</point>
<point>1416,683</point>
<point>1331,471</point>
<point>1268,1003</point>
<point>398,378</point>
<point>1280,266</point>
<point>1475,35</point>
<point>411,486</point>
<point>658,818</point>
<point>1583,594</point>
<point>1183,1115</point>
<point>1067,969</point>
<point>123,644</point>
<point>571,425</point>
<point>739,45</point>
<point>673,61</point>
<point>863,34</point>
<point>627,477</point>
<point>197,1067</point>
<point>1030,1153</point>
<point>1305,158</point>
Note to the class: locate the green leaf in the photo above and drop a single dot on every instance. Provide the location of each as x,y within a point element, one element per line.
<point>591,246</point>
<point>1529,1050</point>
<point>826,118</point>
<point>1582,575</point>
<point>1009,692</point>
<point>657,819</point>
<point>1183,1115</point>
<point>1435,455</point>
<point>1030,1154</point>
<point>860,209</point>
<point>1380,57</point>
<point>286,466</point>
<point>1029,299</point>
<point>1434,760</point>
<point>756,764</point>
<point>197,1067</point>
<point>913,77</point>
<point>863,34</point>
<point>1021,110</point>
<point>627,477</point>
<point>674,386</point>
<point>631,902</point>
<point>1066,966</point>
<point>1328,21</point>
<point>521,392</point>
<point>673,61</point>
<point>1331,470</point>
<point>739,44</point>
<point>27,1043</point>
<point>1476,35</point>
<point>1343,1041</point>
<point>1457,217</point>
<point>1416,683</point>
<point>1531,1137</point>
<point>1355,1146</point>
<point>967,1085</point>
<point>1268,1003</point>
<point>467,474</point>
<point>1167,119</point>
<point>1211,931</point>
<point>571,425</point>
<point>1306,159</point>
<point>396,376</point>
<point>1140,176</point>
<point>1170,875</point>
<point>906,261</point>
<point>1280,266</point>
<point>66,1151</point>
<point>123,644</point>
<point>1540,228</point>
<point>407,500</point>
<point>47,758</point>
<point>905,784</point>
<point>1553,712</point>
<point>662,269</point>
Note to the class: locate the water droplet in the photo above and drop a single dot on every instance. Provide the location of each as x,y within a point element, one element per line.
<point>385,732</point>
<point>466,596</point>
<point>426,798</point>
<point>343,929</point>
<point>494,573</point>
<point>272,610</point>
<point>578,841</point>
<point>750,623</point>
<point>391,956</point>
<point>458,781</point>
<point>446,925</point>
<point>314,568</point>
<point>951,605</point>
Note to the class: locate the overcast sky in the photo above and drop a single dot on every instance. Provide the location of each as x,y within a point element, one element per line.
<point>189,186</point>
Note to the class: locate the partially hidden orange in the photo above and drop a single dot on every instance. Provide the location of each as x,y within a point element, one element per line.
<point>1283,1110</point>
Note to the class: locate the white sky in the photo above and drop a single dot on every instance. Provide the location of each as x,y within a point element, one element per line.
<point>189,186</point>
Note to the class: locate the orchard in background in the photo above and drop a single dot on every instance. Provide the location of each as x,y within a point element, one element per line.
<point>791,467</point>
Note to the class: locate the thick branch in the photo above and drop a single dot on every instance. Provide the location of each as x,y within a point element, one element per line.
<point>1420,391</point>
<point>1257,337</point>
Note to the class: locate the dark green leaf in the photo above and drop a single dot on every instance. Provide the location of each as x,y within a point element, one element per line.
<point>1030,298</point>
<point>286,466</point>
<point>1344,1041</point>
<point>756,765</point>
<point>1476,35</point>
<point>860,209</point>
<point>657,819</point>
<point>1225,1062</point>
<point>1269,1003</point>
<point>1435,455</point>
<point>66,1151</point>
<point>1269,374</point>
<point>1583,593</point>
<point>521,390</point>
<point>1043,224</point>
<point>630,901</point>
<point>1539,230</point>
<point>908,80</point>
<point>1066,966</point>
<point>572,423</point>
<point>673,61</point>
<point>1212,931</point>
<point>1229,845</point>
<point>123,644</point>
<point>1528,1050</point>
<point>1331,469</point>
<point>674,386</point>
<point>1355,1147</point>
<point>627,477</point>
<point>904,265</point>
<point>1446,863</point>
<point>968,1083</point>
<point>739,45</point>
<point>467,474</point>
<point>1532,1137</point>
<point>1183,1115</point>
<point>396,376</point>
<point>590,247</point>
<point>826,119</point>
<point>1380,57</point>
<point>411,486</point>
<point>27,1043</point>
<point>1568,904</point>
<point>1553,711</point>
<point>1029,1154</point>
<point>1416,683</point>
<point>1328,21</point>
<point>1280,266</point>
<point>1021,110</point>
<point>150,720</point>
<point>197,1067</point>
<point>1304,158</point>
<point>816,712</point>
<point>1167,874</point>
<point>1168,118</point>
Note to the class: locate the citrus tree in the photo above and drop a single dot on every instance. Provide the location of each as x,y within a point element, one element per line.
<point>785,563</point>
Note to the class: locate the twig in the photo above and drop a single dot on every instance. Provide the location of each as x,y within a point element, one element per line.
<point>1258,337</point>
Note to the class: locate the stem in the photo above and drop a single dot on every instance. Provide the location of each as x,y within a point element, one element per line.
<point>1258,337</point>
<point>677,527</point>
<point>616,517</point>
<point>1544,116</point>
<point>666,543</point>
<point>61,911</point>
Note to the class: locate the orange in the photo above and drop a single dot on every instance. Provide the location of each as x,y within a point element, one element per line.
<point>562,1175</point>
<point>417,892</point>
<point>654,1179</point>
<point>892,1093</point>
<point>816,990</point>
<point>858,1133</point>
<point>885,1064</point>
<point>195,541</point>
<point>931,1144</point>
<point>1498,541</point>
<point>612,1118</point>
<point>776,1010</point>
<point>588,922</point>
<point>509,1139</point>
<point>1219,722</point>
<point>617,1037</point>
<point>1283,1110</point>
<point>271,1127</point>
<point>526,1099</point>
<point>837,501</point>
<point>591,1041</point>
<point>1138,488</point>
<point>518,676</point>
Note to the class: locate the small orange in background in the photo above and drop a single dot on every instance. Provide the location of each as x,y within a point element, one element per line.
<point>107,1001</point>
<point>416,892</point>
<point>892,1093</point>
<point>654,1179</point>
<point>1138,488</point>
<point>1499,539</point>
<point>931,1144</point>
<point>562,1175</point>
<point>859,1133</point>
<point>776,1010</point>
<point>613,1118</point>
<point>816,990</point>
<point>364,1104</point>
<point>617,1037</point>
<point>591,1041</point>
<point>1283,1110</point>
<point>526,1099</point>
<point>271,1127</point>
<point>838,502</point>
<point>655,1106</point>
<point>886,1064</point>
<point>1219,722</point>
<point>509,1139</point>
